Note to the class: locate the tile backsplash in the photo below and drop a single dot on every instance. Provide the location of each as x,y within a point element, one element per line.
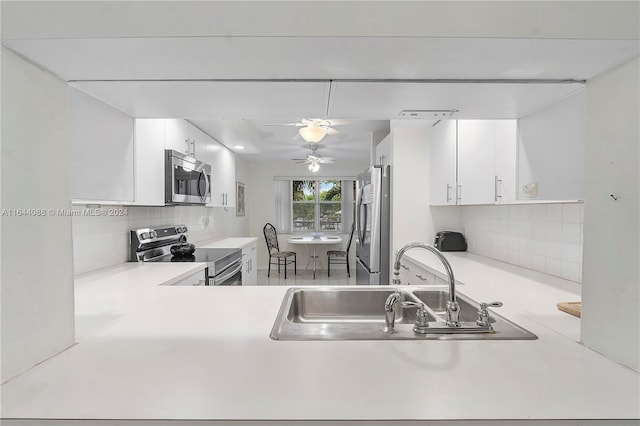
<point>102,241</point>
<point>542,237</point>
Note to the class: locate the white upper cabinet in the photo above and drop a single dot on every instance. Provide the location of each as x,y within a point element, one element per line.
<point>177,136</point>
<point>149,144</point>
<point>101,145</point>
<point>473,162</point>
<point>442,163</point>
<point>476,162</point>
<point>383,155</point>
<point>223,176</point>
<point>506,160</point>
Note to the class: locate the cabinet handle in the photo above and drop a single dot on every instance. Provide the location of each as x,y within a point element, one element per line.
<point>193,147</point>
<point>448,193</point>
<point>421,278</point>
<point>496,189</point>
<point>404,267</point>
<point>459,194</point>
<point>187,147</point>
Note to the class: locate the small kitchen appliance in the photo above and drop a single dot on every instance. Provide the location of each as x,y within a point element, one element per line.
<point>169,244</point>
<point>187,180</point>
<point>450,241</point>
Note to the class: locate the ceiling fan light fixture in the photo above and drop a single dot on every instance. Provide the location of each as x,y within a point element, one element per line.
<point>312,133</point>
<point>314,166</point>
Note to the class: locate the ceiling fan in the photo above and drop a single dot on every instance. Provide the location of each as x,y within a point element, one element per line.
<point>314,160</point>
<point>314,129</point>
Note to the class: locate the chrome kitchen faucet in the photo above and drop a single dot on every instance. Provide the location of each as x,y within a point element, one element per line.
<point>421,325</point>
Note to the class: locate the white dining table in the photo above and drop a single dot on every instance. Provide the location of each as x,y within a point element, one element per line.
<point>314,243</point>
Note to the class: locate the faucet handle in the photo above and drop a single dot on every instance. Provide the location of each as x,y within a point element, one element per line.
<point>483,313</point>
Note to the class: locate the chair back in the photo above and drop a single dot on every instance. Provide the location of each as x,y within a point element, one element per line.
<point>271,237</point>
<point>353,229</point>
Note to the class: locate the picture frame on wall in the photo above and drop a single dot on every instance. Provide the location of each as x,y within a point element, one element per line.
<point>240,205</point>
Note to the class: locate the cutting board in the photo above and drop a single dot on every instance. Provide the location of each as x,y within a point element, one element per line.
<point>572,308</point>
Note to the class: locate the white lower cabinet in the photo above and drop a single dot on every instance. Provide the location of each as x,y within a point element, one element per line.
<point>250,265</point>
<point>413,274</point>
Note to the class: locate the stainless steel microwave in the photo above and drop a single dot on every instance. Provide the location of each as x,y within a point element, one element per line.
<point>187,180</point>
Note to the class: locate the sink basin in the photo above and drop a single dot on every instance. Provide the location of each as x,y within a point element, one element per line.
<point>335,313</point>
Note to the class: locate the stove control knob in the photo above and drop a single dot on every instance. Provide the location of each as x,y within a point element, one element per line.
<point>184,229</point>
<point>144,236</point>
<point>153,234</point>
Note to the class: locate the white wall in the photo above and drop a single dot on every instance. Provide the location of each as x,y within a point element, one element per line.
<point>409,183</point>
<point>542,237</point>
<point>37,269</point>
<point>262,208</point>
<point>559,129</point>
<point>103,241</point>
<point>611,275</point>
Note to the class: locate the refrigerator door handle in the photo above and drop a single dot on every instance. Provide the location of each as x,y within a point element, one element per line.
<point>361,231</point>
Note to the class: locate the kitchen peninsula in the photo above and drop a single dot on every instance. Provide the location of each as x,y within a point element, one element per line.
<point>204,353</point>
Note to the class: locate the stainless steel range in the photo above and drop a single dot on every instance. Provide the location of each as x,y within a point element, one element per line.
<point>224,266</point>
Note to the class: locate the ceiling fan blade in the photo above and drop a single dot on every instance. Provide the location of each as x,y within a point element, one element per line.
<point>326,160</point>
<point>334,133</point>
<point>341,121</point>
<point>284,124</point>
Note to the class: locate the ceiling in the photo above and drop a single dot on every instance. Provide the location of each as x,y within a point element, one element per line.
<point>232,67</point>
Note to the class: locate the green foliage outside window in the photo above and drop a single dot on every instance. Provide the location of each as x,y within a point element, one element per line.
<point>313,211</point>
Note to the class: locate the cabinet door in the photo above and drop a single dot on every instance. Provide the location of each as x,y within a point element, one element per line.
<point>101,151</point>
<point>383,152</point>
<point>476,162</point>
<point>250,267</point>
<point>506,160</point>
<point>199,141</point>
<point>442,163</point>
<point>150,160</point>
<point>223,176</point>
<point>176,135</point>
<point>229,173</point>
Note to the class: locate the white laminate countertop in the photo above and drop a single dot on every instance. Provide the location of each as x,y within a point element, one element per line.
<point>205,353</point>
<point>530,293</point>
<point>235,242</point>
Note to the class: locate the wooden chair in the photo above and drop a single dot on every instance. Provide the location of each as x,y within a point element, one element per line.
<point>340,256</point>
<point>271,236</point>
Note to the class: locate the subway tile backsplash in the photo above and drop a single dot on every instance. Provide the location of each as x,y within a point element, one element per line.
<point>542,237</point>
<point>103,241</point>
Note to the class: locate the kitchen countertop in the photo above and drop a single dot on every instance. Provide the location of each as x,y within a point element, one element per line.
<point>237,242</point>
<point>205,353</point>
<point>488,280</point>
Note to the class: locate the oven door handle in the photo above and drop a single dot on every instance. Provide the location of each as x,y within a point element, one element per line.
<point>234,269</point>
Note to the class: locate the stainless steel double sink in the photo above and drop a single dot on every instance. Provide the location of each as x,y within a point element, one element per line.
<point>337,313</point>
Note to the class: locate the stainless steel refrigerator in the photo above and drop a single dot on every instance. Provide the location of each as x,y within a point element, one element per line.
<point>373,210</point>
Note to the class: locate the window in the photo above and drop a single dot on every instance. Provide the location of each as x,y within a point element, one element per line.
<point>302,208</point>
<point>316,205</point>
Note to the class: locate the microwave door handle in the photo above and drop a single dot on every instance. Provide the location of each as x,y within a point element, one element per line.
<point>201,194</point>
<point>207,187</point>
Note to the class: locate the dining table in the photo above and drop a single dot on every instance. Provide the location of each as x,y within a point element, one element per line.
<point>313,242</point>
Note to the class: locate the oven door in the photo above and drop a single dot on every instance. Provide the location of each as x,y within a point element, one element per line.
<point>187,181</point>
<point>231,275</point>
